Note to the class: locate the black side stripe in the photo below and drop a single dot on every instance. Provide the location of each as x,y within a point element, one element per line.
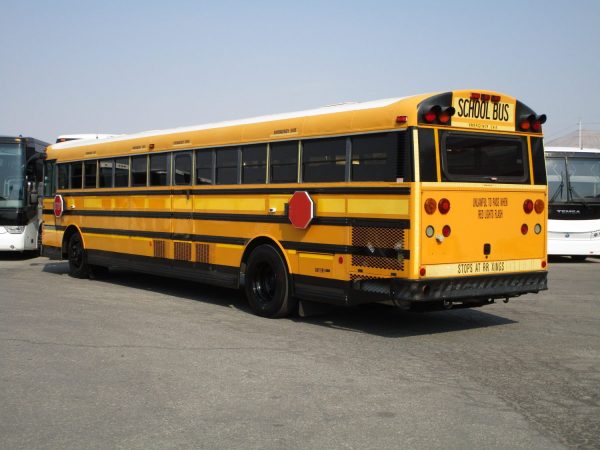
<point>257,218</point>
<point>290,245</point>
<point>345,249</point>
<point>241,191</point>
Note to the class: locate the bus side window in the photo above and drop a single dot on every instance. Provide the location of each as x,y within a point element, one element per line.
<point>121,172</point>
<point>182,171</point>
<point>159,169</point>
<point>324,160</point>
<point>76,175</point>
<point>90,170</point>
<point>139,171</point>
<point>105,173</point>
<point>49,179</point>
<point>284,162</point>
<point>374,157</point>
<point>254,164</point>
<point>204,166</point>
<point>227,165</point>
<point>63,176</point>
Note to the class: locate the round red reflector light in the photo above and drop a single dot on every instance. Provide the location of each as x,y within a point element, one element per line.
<point>444,117</point>
<point>446,230</point>
<point>341,260</point>
<point>539,206</point>
<point>544,264</point>
<point>524,228</point>
<point>525,125</point>
<point>430,206</point>
<point>422,272</point>
<point>430,116</point>
<point>444,205</point>
<point>528,206</point>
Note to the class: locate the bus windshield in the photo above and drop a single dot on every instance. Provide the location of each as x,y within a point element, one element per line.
<point>573,179</point>
<point>584,178</point>
<point>484,158</point>
<point>11,175</point>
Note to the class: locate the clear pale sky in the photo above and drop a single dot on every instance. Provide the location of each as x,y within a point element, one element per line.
<point>126,66</point>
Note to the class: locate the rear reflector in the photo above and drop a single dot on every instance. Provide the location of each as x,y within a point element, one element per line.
<point>444,206</point>
<point>539,206</point>
<point>430,206</point>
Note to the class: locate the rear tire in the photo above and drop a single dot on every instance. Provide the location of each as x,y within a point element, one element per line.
<point>268,283</point>
<point>78,266</point>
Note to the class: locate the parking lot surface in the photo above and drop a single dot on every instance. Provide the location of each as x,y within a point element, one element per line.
<point>133,361</point>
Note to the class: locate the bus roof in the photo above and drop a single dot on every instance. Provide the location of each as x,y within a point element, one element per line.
<point>339,119</point>
<point>330,109</point>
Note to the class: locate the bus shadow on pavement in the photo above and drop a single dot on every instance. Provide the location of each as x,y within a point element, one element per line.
<point>387,321</point>
<point>376,319</point>
<point>18,256</point>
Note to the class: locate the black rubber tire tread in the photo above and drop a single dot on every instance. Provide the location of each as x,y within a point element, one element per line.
<point>267,283</point>
<point>78,266</point>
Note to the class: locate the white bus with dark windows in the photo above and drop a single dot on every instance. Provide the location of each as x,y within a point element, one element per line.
<point>574,202</point>
<point>21,181</point>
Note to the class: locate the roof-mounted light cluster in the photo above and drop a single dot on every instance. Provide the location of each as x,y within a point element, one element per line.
<point>485,97</point>
<point>532,122</point>
<point>439,114</point>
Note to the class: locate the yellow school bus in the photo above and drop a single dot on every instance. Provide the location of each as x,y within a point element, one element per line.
<point>424,202</point>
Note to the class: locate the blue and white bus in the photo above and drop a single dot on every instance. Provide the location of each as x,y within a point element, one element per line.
<point>574,201</point>
<point>21,181</point>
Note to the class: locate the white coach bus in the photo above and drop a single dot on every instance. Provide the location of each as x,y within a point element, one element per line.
<point>21,181</point>
<point>574,201</point>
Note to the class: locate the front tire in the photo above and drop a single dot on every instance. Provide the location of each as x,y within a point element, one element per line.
<point>268,283</point>
<point>78,266</point>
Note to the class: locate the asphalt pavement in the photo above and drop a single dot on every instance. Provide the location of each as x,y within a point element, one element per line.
<point>134,361</point>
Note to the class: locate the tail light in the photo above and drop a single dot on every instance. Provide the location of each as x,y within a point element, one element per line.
<point>446,230</point>
<point>444,206</point>
<point>439,114</point>
<point>532,122</point>
<point>528,206</point>
<point>431,115</point>
<point>537,121</point>
<point>525,124</point>
<point>524,229</point>
<point>430,206</point>
<point>446,114</point>
<point>539,206</point>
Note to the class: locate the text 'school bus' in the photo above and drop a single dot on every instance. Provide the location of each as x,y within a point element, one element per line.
<point>21,177</point>
<point>574,201</point>
<point>426,202</point>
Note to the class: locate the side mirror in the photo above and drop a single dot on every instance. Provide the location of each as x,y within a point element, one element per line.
<point>33,198</point>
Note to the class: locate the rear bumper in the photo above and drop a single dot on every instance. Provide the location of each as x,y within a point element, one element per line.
<point>483,287</point>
